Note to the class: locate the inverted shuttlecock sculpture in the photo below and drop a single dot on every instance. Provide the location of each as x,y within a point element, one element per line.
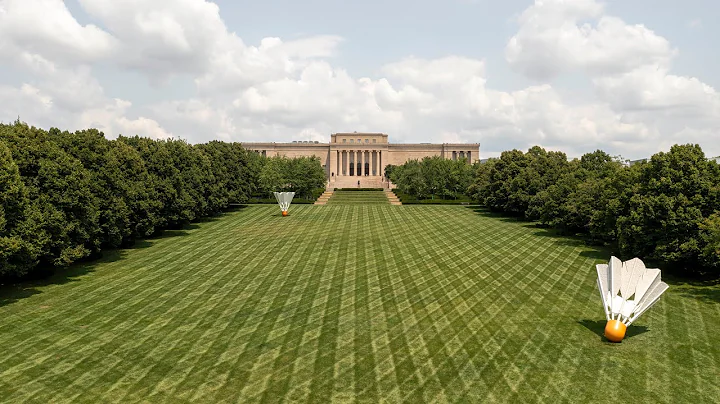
<point>627,289</point>
<point>284,199</point>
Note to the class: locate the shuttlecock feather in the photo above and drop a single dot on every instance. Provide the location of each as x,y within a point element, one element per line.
<point>284,199</point>
<point>627,290</point>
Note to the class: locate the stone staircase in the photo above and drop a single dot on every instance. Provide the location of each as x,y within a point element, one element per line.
<point>394,200</point>
<point>323,199</point>
<point>352,182</point>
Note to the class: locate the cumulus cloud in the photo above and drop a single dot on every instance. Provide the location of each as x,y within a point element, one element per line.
<point>628,65</point>
<point>45,29</point>
<point>283,90</point>
<point>551,40</point>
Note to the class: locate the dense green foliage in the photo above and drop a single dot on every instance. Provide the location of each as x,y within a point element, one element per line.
<point>303,175</point>
<point>664,210</point>
<point>67,196</point>
<point>432,177</point>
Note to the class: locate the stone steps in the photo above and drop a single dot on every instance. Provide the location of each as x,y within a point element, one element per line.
<point>322,200</point>
<point>351,182</point>
<point>394,200</point>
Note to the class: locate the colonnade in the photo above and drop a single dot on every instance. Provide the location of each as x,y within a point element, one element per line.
<point>358,163</point>
<point>462,155</point>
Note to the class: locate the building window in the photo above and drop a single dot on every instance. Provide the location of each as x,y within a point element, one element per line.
<point>374,140</point>
<point>352,140</point>
<point>344,140</point>
<point>359,141</point>
<point>367,140</point>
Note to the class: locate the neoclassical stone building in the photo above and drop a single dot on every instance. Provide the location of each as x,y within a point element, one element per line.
<point>353,157</point>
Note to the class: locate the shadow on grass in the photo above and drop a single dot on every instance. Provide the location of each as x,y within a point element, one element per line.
<point>590,250</point>
<point>598,327</point>
<point>15,290</point>
<point>500,216</point>
<point>703,289</point>
<point>45,276</point>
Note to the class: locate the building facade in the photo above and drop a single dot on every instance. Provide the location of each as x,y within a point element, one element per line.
<point>360,158</point>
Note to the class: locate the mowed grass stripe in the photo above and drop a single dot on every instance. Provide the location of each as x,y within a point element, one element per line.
<point>358,198</point>
<point>356,302</point>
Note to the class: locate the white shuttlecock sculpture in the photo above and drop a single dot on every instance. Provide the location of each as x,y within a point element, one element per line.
<point>284,199</point>
<point>627,289</point>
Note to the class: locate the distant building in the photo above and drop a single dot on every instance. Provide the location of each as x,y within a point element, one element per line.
<point>628,163</point>
<point>350,158</point>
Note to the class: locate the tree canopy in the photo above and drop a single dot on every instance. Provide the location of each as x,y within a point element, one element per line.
<point>432,177</point>
<point>665,210</point>
<point>67,196</point>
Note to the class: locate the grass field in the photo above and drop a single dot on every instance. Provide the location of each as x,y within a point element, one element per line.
<point>358,198</point>
<point>366,303</point>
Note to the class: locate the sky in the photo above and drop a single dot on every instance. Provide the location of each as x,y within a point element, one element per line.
<point>631,77</point>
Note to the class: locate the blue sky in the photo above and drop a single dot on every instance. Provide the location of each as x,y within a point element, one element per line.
<point>630,77</point>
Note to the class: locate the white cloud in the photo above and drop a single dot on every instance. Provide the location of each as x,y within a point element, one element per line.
<point>283,90</point>
<point>653,88</point>
<point>161,37</point>
<point>47,29</point>
<point>551,40</point>
<point>629,66</point>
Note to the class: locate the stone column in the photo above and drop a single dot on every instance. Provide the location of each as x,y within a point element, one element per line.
<point>380,164</point>
<point>377,163</point>
<point>365,162</point>
<point>347,162</point>
<point>362,163</point>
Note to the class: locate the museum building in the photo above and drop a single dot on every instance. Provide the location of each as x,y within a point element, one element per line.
<point>353,157</point>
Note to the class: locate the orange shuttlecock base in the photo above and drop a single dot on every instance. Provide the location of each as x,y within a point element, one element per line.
<point>284,213</point>
<point>615,330</point>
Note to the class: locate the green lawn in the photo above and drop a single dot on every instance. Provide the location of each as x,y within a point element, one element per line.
<point>358,198</point>
<point>373,303</point>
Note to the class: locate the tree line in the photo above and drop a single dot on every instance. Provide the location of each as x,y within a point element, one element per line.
<point>665,210</point>
<point>67,196</point>
<point>432,177</point>
<point>303,175</point>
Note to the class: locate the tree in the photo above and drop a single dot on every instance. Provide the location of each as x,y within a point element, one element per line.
<point>177,204</point>
<point>302,175</point>
<point>676,191</point>
<point>62,211</point>
<point>480,187</point>
<point>710,242</point>
<point>305,175</point>
<point>107,181</point>
<point>388,170</point>
<point>17,254</point>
